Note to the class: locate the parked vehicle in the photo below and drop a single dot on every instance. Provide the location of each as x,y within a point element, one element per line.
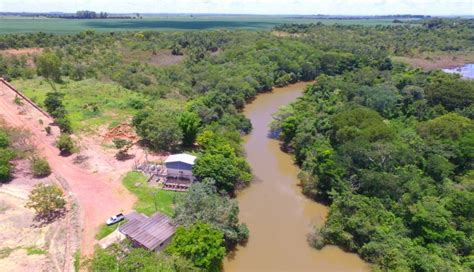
<point>114,219</point>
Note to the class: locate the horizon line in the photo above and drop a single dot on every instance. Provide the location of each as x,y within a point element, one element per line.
<point>243,14</point>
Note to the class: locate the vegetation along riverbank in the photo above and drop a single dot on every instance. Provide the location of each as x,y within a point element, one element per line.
<point>388,146</point>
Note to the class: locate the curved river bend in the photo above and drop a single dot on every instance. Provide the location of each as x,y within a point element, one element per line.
<point>278,215</point>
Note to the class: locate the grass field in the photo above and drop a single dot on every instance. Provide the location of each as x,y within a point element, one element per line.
<point>171,23</point>
<point>90,103</point>
<point>105,230</point>
<point>150,200</point>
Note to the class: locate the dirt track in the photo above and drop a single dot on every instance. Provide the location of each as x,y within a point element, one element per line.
<point>99,194</point>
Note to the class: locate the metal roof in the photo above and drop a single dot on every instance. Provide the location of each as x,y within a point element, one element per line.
<point>150,232</point>
<point>186,158</point>
<point>135,215</point>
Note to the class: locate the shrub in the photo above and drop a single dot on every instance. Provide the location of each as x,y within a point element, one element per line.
<point>53,102</point>
<point>65,144</point>
<point>18,101</point>
<point>6,156</point>
<point>4,141</point>
<point>46,200</point>
<point>122,146</point>
<point>40,167</point>
<point>5,171</point>
<point>48,130</point>
<point>64,124</point>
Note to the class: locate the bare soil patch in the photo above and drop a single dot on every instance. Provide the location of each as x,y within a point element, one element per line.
<point>124,131</point>
<point>22,51</point>
<point>98,190</point>
<point>29,53</point>
<point>436,61</point>
<point>161,57</point>
<point>30,247</point>
<point>164,58</point>
<point>282,34</point>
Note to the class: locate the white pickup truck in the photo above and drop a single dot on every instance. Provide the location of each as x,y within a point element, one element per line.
<point>114,219</point>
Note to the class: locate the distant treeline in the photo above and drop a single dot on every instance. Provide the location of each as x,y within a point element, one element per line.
<point>82,14</point>
<point>368,17</point>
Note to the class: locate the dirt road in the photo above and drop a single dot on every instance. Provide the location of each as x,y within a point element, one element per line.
<point>100,194</point>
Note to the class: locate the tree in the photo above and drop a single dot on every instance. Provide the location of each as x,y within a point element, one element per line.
<point>65,144</point>
<point>159,127</point>
<point>6,155</point>
<point>220,161</point>
<point>47,200</point>
<point>54,104</point>
<point>122,145</point>
<point>439,168</point>
<point>203,204</point>
<point>176,49</point>
<point>48,65</point>
<point>199,243</point>
<point>189,123</point>
<point>448,126</point>
<point>227,170</point>
<point>40,167</point>
<point>431,221</point>
<point>123,257</point>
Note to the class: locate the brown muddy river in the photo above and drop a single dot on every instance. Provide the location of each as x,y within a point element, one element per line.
<point>278,215</point>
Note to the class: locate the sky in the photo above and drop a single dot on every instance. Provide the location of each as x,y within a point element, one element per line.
<point>303,7</point>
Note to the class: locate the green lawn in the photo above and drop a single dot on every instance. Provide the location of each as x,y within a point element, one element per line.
<point>150,199</point>
<point>105,230</point>
<point>81,97</point>
<point>11,24</point>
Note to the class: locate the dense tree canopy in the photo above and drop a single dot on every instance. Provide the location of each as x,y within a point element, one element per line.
<point>199,243</point>
<point>203,204</point>
<point>389,147</point>
<point>123,257</point>
<point>391,160</point>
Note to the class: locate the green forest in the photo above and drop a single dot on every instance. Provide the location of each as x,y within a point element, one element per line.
<point>388,147</point>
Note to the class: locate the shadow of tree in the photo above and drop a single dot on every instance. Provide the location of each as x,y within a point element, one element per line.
<point>41,220</point>
<point>124,156</point>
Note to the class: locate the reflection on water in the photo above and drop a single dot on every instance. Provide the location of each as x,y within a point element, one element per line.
<point>466,71</point>
<point>278,215</point>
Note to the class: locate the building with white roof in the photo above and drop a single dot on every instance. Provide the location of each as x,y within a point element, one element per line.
<point>180,166</point>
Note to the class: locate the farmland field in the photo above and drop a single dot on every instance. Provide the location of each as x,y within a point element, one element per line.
<point>9,24</point>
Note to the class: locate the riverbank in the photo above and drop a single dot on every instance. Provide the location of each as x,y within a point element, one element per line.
<point>278,215</point>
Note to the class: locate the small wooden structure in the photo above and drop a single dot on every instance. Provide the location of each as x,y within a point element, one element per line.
<point>179,185</point>
<point>152,233</point>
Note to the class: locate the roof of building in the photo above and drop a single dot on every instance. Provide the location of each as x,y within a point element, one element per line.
<point>135,215</point>
<point>150,232</point>
<point>186,158</point>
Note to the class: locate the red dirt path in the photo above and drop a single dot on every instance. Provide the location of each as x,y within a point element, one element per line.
<point>99,194</point>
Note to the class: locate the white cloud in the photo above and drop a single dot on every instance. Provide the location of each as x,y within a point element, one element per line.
<point>352,7</point>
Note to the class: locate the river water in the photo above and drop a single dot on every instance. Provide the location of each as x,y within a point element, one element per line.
<point>278,215</point>
<point>466,71</point>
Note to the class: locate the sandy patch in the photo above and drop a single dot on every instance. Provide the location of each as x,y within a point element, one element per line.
<point>437,61</point>
<point>18,233</point>
<point>22,51</point>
